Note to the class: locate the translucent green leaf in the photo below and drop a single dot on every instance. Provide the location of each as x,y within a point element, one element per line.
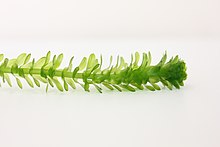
<point>82,64</point>
<point>138,86</point>
<point>47,87</point>
<point>137,57</point>
<point>50,82</point>
<point>30,83</point>
<point>27,58</point>
<point>58,61</point>
<point>7,78</point>
<point>155,86</point>
<point>149,59</point>
<point>38,77</point>
<point>128,87</point>
<point>40,62</point>
<point>98,88</point>
<point>118,88</point>
<point>20,59</point>
<point>75,72</point>
<point>57,83</point>
<point>70,82</point>
<point>36,82</point>
<point>11,62</point>
<point>175,60</point>
<point>91,61</point>
<point>163,60</point>
<point>19,83</point>
<point>47,58</point>
<point>1,57</point>
<point>107,85</point>
<point>150,88</point>
<point>170,86</point>
<point>65,85</point>
<point>70,64</point>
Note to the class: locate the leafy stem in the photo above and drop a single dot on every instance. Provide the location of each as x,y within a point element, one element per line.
<point>137,75</point>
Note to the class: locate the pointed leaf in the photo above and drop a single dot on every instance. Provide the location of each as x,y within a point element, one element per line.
<point>1,57</point>
<point>58,84</point>
<point>82,65</point>
<point>20,59</point>
<point>58,61</point>
<point>19,83</point>
<point>7,78</point>
<point>30,83</point>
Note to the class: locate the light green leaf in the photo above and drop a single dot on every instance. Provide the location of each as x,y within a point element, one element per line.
<point>20,59</point>
<point>107,85</point>
<point>128,87</point>
<point>47,58</point>
<point>91,61</point>
<point>58,61</point>
<point>70,64</point>
<point>7,78</point>
<point>155,86</point>
<point>70,82</point>
<point>30,83</point>
<point>27,58</point>
<point>38,77</point>
<point>57,83</point>
<point>1,57</point>
<point>36,82</point>
<point>150,88</point>
<point>82,64</point>
<point>137,57</point>
<point>11,62</point>
<point>118,88</point>
<point>40,62</point>
<point>176,59</point>
<point>19,83</point>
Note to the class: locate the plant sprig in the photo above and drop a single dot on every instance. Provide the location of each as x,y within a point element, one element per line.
<point>122,76</point>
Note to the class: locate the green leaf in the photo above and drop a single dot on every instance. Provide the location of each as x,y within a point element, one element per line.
<point>11,62</point>
<point>70,64</point>
<point>57,83</point>
<point>50,82</point>
<point>75,72</point>
<point>1,57</point>
<point>19,83</point>
<point>7,78</point>
<point>39,62</point>
<point>150,88</point>
<point>155,86</point>
<point>38,77</point>
<point>137,57</point>
<point>27,58</point>
<point>58,61</point>
<point>128,87</point>
<point>30,83</point>
<point>107,85</point>
<point>98,88</point>
<point>91,61</point>
<point>36,82</point>
<point>175,60</point>
<point>82,64</point>
<point>163,60</point>
<point>20,59</point>
<point>65,85</point>
<point>117,87</point>
<point>47,58</point>
<point>70,82</point>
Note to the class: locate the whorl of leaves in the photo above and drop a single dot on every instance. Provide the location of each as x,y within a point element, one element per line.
<point>121,76</point>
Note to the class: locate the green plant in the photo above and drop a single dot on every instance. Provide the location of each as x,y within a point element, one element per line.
<point>122,76</point>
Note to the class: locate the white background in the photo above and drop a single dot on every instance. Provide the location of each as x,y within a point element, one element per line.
<point>185,117</point>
